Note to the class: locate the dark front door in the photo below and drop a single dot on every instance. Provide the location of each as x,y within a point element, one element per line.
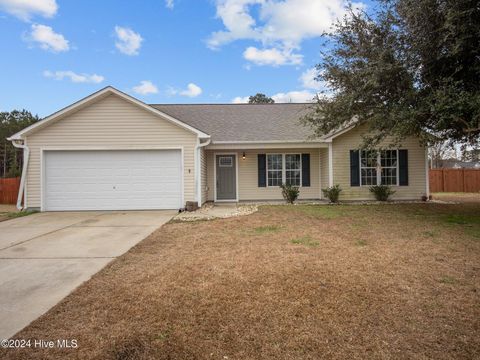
<point>226,177</point>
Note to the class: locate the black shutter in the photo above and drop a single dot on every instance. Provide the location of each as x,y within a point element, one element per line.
<point>262,170</point>
<point>354,168</point>
<point>403,167</point>
<point>305,169</point>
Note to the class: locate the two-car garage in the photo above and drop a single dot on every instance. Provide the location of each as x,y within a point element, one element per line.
<point>109,151</point>
<point>112,179</point>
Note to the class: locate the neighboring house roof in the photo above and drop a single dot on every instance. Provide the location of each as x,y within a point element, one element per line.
<point>458,164</point>
<point>109,90</point>
<point>244,122</point>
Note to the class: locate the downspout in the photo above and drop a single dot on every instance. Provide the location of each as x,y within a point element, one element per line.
<point>330,164</point>
<point>198,171</point>
<point>26,156</point>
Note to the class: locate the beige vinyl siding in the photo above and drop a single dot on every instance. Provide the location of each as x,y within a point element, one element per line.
<point>111,122</point>
<point>248,175</point>
<point>341,168</point>
<point>323,169</point>
<point>203,174</point>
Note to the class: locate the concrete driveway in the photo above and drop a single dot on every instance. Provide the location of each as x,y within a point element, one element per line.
<point>43,257</point>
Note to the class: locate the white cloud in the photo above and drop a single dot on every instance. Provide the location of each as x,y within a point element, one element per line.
<point>192,90</point>
<point>282,25</point>
<point>272,56</point>
<point>308,80</point>
<point>288,21</point>
<point>169,4</point>
<point>289,97</point>
<point>294,97</point>
<point>74,77</point>
<point>128,41</point>
<point>146,87</point>
<point>238,22</point>
<point>240,100</point>
<point>48,39</point>
<point>26,9</point>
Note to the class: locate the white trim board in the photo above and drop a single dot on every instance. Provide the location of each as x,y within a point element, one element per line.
<point>265,145</point>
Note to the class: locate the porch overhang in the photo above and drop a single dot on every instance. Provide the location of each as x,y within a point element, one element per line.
<point>245,145</point>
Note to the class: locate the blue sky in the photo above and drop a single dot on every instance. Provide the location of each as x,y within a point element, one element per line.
<point>54,52</point>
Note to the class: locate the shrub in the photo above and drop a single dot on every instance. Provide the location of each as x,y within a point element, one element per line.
<point>290,192</point>
<point>382,192</point>
<point>332,193</point>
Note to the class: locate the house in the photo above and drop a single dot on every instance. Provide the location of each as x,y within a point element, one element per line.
<point>110,151</point>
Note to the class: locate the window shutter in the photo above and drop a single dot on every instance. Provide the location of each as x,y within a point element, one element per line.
<point>403,167</point>
<point>305,169</point>
<point>354,168</point>
<point>262,170</point>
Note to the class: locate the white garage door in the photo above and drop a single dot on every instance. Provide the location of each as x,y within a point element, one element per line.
<point>112,180</point>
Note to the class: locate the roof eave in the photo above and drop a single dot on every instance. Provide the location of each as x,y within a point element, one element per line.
<point>239,142</point>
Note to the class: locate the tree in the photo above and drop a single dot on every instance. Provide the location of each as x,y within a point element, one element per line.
<point>440,151</point>
<point>260,98</point>
<point>410,68</point>
<point>11,157</point>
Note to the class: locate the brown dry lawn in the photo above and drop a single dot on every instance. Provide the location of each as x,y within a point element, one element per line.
<point>288,282</point>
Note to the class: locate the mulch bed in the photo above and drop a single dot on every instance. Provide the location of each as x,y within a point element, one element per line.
<point>288,282</point>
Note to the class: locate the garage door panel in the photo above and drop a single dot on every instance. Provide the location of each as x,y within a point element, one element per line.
<point>112,180</point>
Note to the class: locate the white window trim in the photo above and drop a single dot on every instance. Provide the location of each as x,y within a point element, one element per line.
<point>283,169</point>
<point>379,169</point>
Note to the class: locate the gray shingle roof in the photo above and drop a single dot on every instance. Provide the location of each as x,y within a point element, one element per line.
<point>244,122</point>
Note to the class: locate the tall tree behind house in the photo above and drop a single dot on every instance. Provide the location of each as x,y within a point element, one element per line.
<point>11,158</point>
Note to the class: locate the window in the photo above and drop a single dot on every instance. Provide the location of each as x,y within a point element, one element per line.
<point>368,167</point>
<point>274,169</point>
<point>225,161</point>
<point>293,169</point>
<point>389,167</point>
<point>284,168</point>
<point>379,167</point>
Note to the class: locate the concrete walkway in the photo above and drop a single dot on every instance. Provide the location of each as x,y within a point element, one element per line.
<point>43,257</point>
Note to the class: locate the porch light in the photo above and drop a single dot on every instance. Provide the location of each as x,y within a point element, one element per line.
<point>243,156</point>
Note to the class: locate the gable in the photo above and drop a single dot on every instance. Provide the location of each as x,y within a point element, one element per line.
<point>94,98</point>
<point>111,119</point>
<point>353,136</point>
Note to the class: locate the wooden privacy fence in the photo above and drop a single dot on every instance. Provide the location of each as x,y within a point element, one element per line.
<point>9,190</point>
<point>454,180</point>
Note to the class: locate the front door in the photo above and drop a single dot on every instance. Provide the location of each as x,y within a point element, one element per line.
<point>226,177</point>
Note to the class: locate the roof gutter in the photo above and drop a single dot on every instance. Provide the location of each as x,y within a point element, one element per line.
<point>198,174</point>
<point>26,157</point>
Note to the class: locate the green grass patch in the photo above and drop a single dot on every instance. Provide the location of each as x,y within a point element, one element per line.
<point>447,280</point>
<point>267,229</point>
<point>462,219</point>
<point>430,233</point>
<point>469,223</point>
<point>361,242</point>
<point>305,240</point>
<point>18,214</point>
